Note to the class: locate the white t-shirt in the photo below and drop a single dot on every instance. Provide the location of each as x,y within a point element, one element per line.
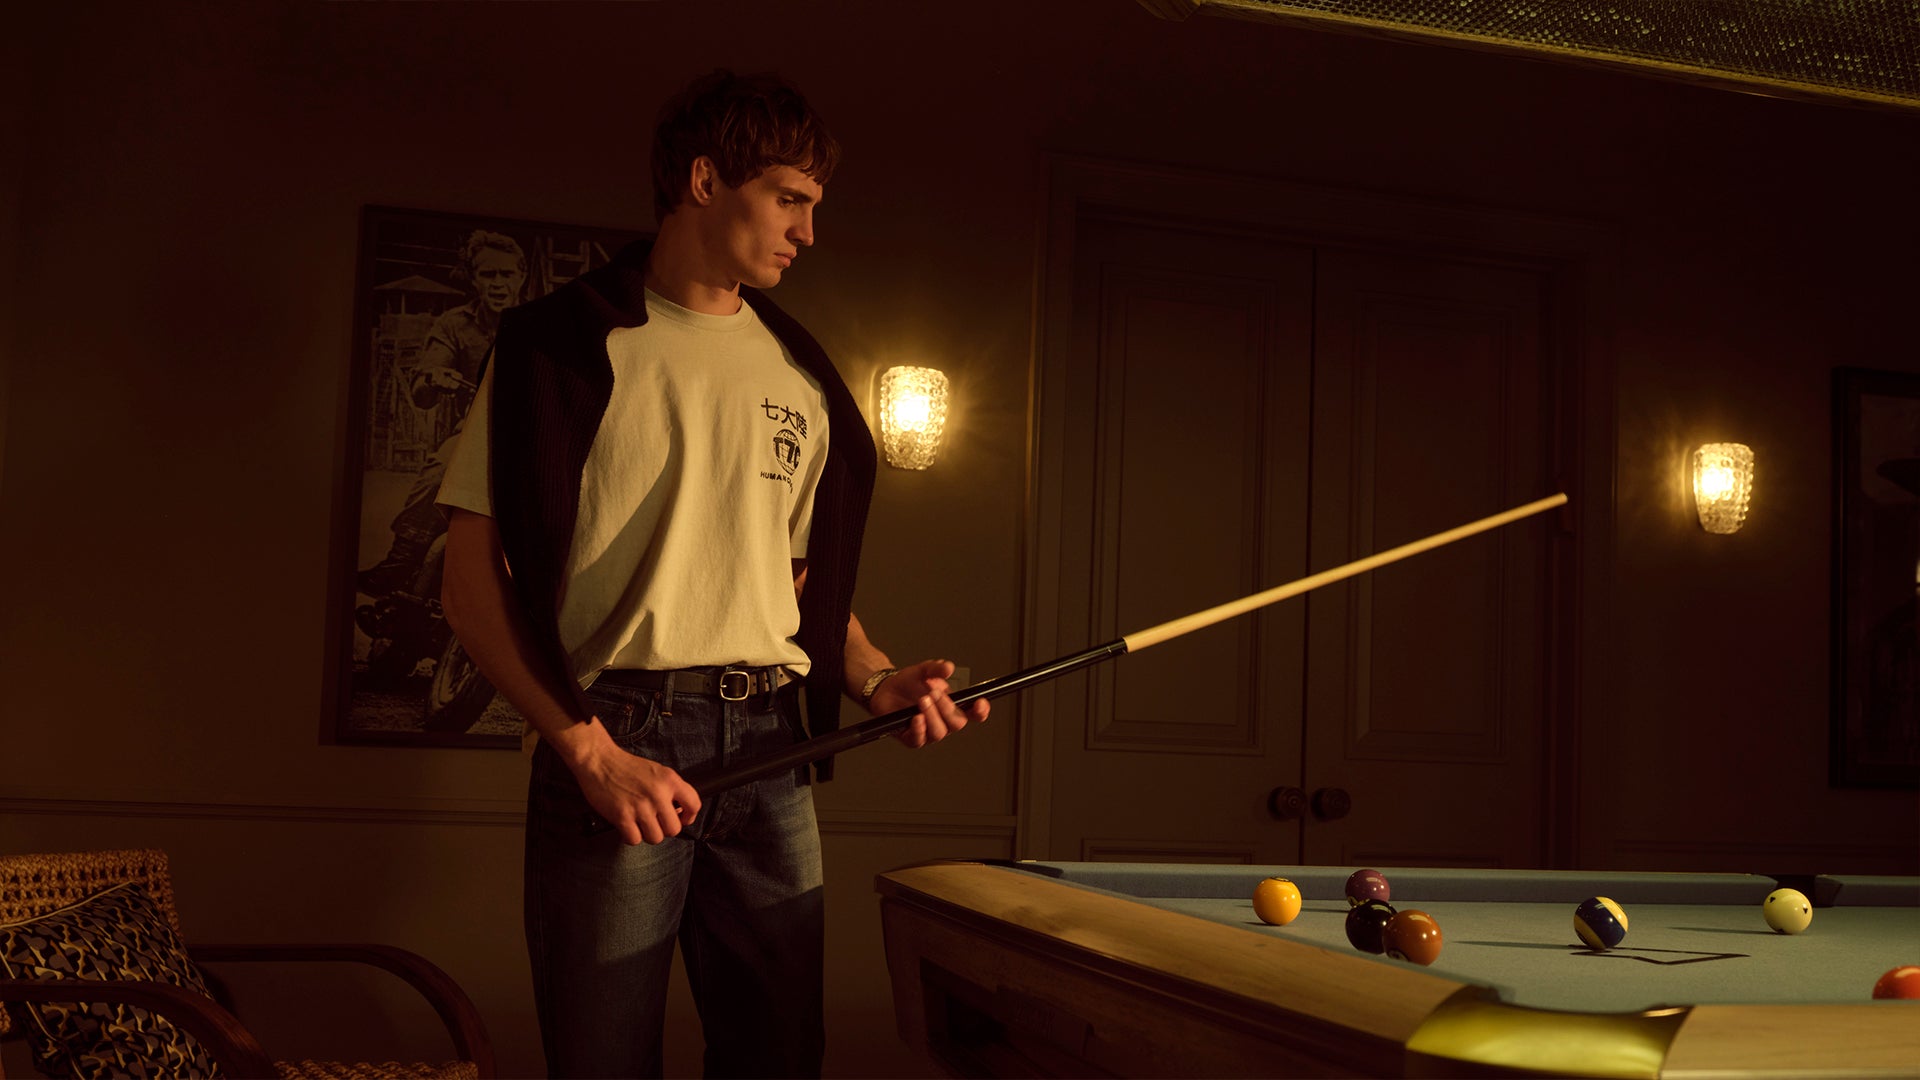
<point>697,496</point>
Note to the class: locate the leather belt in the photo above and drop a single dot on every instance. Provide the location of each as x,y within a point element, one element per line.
<point>732,683</point>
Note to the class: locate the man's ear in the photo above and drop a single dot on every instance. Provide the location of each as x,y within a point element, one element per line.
<point>703,180</point>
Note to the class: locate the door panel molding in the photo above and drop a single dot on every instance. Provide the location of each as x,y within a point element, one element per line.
<point>1222,323</point>
<point>1158,851</point>
<point>1576,256</point>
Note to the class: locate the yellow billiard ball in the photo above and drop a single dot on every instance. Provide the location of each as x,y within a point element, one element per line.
<point>1277,901</point>
<point>1787,911</point>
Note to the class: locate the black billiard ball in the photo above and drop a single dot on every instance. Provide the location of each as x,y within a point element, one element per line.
<point>1366,923</point>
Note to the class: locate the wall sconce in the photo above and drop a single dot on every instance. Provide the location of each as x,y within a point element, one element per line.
<point>913,413</point>
<point>1722,485</point>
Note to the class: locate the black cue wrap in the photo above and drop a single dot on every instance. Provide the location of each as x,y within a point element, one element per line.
<point>712,782</point>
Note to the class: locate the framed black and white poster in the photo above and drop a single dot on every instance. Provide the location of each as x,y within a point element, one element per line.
<point>429,290</point>
<point>1876,579</point>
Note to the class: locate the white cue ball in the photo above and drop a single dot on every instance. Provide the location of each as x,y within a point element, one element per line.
<point>1787,911</point>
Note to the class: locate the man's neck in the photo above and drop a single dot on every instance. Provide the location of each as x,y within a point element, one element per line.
<point>676,271</point>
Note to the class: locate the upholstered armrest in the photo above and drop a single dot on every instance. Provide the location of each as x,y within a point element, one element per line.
<point>231,1044</point>
<point>456,1010</point>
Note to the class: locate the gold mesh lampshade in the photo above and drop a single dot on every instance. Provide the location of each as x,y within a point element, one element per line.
<point>1722,485</point>
<point>913,414</point>
<point>1857,52</point>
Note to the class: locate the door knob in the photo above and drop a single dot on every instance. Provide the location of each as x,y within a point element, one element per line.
<point>1331,803</point>
<point>1286,803</point>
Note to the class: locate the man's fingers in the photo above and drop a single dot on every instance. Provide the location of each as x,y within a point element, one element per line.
<point>937,712</point>
<point>647,830</point>
<point>915,734</point>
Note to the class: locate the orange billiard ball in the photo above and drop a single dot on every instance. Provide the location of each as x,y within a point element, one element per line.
<point>1413,935</point>
<point>1276,901</point>
<point>1902,983</point>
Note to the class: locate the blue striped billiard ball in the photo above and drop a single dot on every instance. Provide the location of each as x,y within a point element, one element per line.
<point>1600,922</point>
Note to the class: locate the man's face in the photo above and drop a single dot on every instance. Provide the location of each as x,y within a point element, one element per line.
<point>760,226</point>
<point>497,278</point>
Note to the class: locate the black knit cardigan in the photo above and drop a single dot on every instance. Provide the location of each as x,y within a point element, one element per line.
<point>552,381</point>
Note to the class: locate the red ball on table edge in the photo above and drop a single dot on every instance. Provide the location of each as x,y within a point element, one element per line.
<point>1902,984</point>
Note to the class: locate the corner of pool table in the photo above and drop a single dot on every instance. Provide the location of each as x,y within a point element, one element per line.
<point>1085,969</point>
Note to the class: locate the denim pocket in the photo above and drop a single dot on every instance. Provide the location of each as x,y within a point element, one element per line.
<point>629,719</point>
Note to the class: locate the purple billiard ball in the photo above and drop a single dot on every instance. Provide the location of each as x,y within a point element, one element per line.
<point>1367,885</point>
<point>1367,924</point>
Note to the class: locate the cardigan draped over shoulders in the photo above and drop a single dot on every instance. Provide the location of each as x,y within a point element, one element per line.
<point>552,380</point>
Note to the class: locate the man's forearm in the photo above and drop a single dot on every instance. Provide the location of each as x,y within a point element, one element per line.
<point>860,660</point>
<point>478,598</point>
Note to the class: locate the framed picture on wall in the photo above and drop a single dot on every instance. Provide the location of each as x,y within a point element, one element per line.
<point>1876,579</point>
<point>428,293</point>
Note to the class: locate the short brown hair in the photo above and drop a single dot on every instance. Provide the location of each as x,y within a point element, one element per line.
<point>747,124</point>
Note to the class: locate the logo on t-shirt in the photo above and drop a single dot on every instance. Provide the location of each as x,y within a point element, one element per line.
<point>786,450</point>
<point>786,443</point>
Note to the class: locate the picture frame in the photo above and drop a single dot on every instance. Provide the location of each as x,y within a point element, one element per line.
<point>427,292</point>
<point>1875,719</point>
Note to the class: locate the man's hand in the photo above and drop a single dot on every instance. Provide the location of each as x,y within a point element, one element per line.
<point>643,800</point>
<point>924,686</point>
<point>446,378</point>
<point>431,383</point>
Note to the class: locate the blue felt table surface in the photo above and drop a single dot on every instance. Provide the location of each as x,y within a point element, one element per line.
<point>1692,939</point>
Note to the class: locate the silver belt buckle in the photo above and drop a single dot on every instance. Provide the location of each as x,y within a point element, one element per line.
<point>745,683</point>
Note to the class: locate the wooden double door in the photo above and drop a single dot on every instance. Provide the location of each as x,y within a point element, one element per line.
<point>1224,411</point>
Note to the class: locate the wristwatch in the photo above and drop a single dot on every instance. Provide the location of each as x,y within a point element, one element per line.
<point>873,682</point>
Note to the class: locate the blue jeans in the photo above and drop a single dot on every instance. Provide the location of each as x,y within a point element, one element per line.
<point>741,889</point>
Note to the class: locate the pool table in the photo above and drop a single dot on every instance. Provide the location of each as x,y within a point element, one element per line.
<point>1124,969</point>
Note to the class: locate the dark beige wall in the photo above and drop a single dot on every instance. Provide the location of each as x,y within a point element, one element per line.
<point>13,97</point>
<point>175,413</point>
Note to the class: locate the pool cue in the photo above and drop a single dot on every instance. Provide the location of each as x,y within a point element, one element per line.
<point>834,742</point>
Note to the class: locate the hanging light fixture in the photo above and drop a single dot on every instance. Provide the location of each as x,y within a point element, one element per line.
<point>1722,485</point>
<point>913,415</point>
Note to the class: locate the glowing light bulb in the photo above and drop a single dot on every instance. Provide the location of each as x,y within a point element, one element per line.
<point>912,411</point>
<point>1722,485</point>
<point>913,414</point>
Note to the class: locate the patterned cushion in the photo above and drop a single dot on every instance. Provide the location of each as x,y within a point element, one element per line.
<point>386,1070</point>
<point>114,934</point>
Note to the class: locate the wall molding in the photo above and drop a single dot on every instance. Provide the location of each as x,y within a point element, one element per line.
<point>882,823</point>
<point>485,813</point>
<point>482,812</point>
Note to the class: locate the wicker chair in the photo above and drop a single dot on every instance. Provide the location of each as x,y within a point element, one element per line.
<point>33,886</point>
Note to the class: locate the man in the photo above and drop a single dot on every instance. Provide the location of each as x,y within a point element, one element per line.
<point>449,364</point>
<point>679,481</point>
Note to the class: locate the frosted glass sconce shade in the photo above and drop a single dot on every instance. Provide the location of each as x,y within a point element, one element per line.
<point>1722,485</point>
<point>913,414</point>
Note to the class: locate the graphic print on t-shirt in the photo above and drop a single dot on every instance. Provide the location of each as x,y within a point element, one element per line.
<point>786,442</point>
